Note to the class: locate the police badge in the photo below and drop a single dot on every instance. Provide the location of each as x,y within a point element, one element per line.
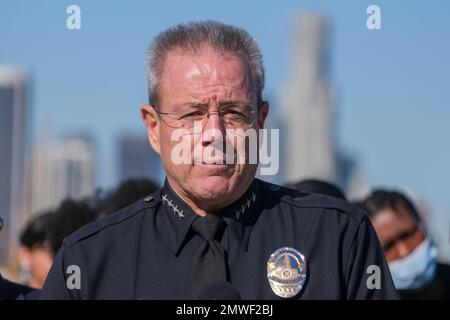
<point>286,272</point>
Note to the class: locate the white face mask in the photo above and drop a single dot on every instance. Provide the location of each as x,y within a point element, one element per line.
<point>417,269</point>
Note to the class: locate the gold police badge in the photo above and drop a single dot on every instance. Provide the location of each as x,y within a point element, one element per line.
<point>286,272</point>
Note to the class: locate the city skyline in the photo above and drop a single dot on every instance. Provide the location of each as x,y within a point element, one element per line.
<point>63,170</point>
<point>14,128</point>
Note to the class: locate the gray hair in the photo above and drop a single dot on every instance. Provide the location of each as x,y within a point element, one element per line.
<point>191,36</point>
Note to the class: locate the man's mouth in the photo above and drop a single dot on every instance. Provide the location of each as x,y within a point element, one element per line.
<point>211,163</point>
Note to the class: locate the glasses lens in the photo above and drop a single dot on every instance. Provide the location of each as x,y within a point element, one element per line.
<point>233,115</point>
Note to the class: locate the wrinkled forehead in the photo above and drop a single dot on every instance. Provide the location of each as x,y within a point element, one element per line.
<point>205,73</point>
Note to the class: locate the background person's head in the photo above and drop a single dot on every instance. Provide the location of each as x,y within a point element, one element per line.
<point>196,67</point>
<point>403,236</point>
<point>35,253</point>
<point>44,234</point>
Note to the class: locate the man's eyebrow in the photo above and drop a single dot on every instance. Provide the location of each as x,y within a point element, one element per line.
<point>401,236</point>
<point>226,102</point>
<point>206,104</point>
<point>192,104</point>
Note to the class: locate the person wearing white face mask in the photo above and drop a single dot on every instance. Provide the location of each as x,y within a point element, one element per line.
<point>407,246</point>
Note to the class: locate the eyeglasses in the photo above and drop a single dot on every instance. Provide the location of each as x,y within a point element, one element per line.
<point>233,115</point>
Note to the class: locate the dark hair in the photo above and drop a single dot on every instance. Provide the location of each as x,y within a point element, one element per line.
<point>69,217</point>
<point>37,230</point>
<point>126,193</point>
<point>52,227</point>
<point>318,186</point>
<point>381,199</point>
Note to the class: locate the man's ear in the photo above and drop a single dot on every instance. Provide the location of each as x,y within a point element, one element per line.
<point>150,118</point>
<point>263,111</point>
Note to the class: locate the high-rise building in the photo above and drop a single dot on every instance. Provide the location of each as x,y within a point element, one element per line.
<point>308,103</point>
<point>63,170</point>
<point>137,159</point>
<point>13,141</point>
<point>311,147</point>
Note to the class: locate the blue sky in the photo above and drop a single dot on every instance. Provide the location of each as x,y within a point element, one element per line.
<point>392,84</point>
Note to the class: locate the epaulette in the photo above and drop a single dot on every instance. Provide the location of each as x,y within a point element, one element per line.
<point>151,201</point>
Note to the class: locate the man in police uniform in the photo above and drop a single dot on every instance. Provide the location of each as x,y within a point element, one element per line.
<point>213,222</point>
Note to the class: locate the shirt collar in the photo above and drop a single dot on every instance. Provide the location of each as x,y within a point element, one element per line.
<point>239,216</point>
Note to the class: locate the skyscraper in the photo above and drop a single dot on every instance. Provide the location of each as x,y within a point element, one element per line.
<point>308,102</point>
<point>59,171</point>
<point>137,159</point>
<point>13,136</point>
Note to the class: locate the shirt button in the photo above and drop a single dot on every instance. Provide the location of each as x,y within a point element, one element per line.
<point>148,199</point>
<point>274,187</point>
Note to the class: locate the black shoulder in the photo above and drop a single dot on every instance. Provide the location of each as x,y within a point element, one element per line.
<point>303,199</point>
<point>152,201</point>
<point>11,290</point>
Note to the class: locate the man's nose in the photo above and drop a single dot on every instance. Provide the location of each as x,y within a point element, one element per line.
<point>213,122</point>
<point>403,250</point>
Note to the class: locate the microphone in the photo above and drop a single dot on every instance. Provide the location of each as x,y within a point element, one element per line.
<point>219,291</point>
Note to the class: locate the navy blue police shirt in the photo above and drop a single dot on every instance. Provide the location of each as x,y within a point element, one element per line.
<point>145,251</point>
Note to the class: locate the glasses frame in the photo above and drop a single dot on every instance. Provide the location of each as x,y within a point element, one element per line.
<point>161,114</point>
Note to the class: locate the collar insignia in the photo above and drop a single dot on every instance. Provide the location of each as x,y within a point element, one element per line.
<point>245,205</point>
<point>172,207</point>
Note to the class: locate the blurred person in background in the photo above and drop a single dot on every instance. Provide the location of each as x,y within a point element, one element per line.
<point>318,186</point>
<point>10,290</point>
<point>43,237</point>
<point>407,246</point>
<point>35,255</point>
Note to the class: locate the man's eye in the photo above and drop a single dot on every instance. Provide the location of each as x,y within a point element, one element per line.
<point>192,115</point>
<point>235,110</point>
<point>388,246</point>
<point>235,113</point>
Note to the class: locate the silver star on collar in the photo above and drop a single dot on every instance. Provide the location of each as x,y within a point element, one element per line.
<point>245,205</point>
<point>172,208</point>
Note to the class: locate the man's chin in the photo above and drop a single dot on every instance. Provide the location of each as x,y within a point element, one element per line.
<point>213,187</point>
